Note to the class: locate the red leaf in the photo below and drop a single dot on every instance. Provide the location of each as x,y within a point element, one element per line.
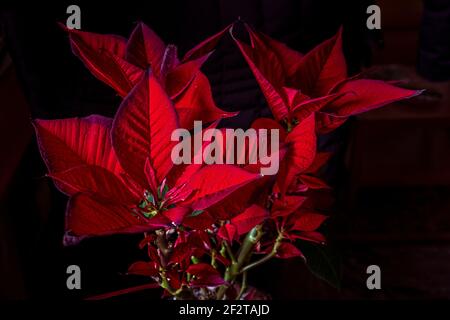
<point>267,123</point>
<point>239,200</point>
<point>288,250</point>
<point>180,77</point>
<point>196,104</point>
<point>104,56</point>
<point>69,143</point>
<point>145,48</point>
<point>199,222</point>
<point>95,180</point>
<point>228,232</point>
<point>181,173</point>
<point>301,152</point>
<point>88,217</point>
<point>140,268</point>
<point>182,252</point>
<point>122,76</point>
<point>122,292</point>
<point>177,214</point>
<point>94,43</point>
<point>269,75</point>
<point>288,58</point>
<point>326,122</point>
<point>308,222</point>
<point>310,236</point>
<point>213,183</point>
<point>286,205</point>
<point>206,46</point>
<point>321,68</point>
<point>142,129</point>
<point>206,275</point>
<point>362,95</point>
<point>312,182</point>
<point>250,218</point>
<point>305,108</point>
<point>358,96</point>
<point>200,239</point>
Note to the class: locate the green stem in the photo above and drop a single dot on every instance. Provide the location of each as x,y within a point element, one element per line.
<point>250,241</point>
<point>266,258</point>
<point>229,251</point>
<point>165,284</point>
<point>244,254</point>
<point>243,286</point>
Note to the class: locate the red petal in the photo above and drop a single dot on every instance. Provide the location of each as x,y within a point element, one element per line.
<point>94,43</point>
<point>304,109</point>
<point>269,75</point>
<point>196,104</point>
<point>288,250</point>
<point>206,46</point>
<point>151,176</point>
<point>239,200</point>
<point>301,152</point>
<point>322,68</point>
<point>214,182</point>
<point>182,252</point>
<point>140,268</point>
<point>310,236</point>
<point>313,182</point>
<point>288,57</point>
<point>206,275</point>
<point>250,218</point>
<point>200,222</point>
<point>363,95</point>
<point>228,232</point>
<point>308,222</point>
<point>181,173</point>
<point>69,143</point>
<point>326,122</point>
<point>358,96</point>
<point>179,78</point>
<point>95,180</point>
<point>267,123</point>
<point>104,56</point>
<point>122,76</point>
<point>88,217</point>
<point>142,129</point>
<point>286,205</point>
<point>145,48</point>
<point>177,214</point>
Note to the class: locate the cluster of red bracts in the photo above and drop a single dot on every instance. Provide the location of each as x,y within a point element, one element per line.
<point>203,224</point>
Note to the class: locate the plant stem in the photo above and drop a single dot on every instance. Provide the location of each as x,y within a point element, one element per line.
<point>163,246</point>
<point>243,285</point>
<point>229,251</point>
<point>244,254</point>
<point>165,285</point>
<point>266,258</point>
<point>250,241</point>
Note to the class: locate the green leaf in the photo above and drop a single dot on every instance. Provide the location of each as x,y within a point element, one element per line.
<point>164,192</point>
<point>323,261</point>
<point>150,198</point>
<point>196,213</point>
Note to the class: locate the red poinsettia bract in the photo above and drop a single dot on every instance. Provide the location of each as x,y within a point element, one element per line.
<point>203,225</point>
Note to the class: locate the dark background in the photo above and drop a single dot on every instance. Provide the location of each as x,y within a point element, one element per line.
<point>391,173</point>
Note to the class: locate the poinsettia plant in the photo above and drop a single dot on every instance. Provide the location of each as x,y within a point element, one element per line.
<point>204,226</point>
